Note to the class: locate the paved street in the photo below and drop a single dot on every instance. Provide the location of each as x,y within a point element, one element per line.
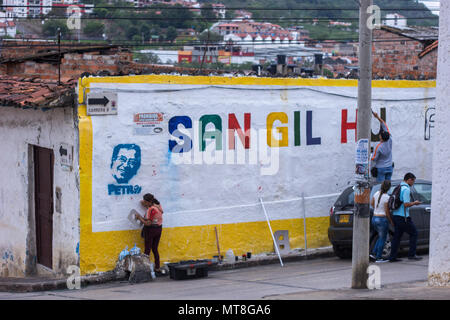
<point>313,279</point>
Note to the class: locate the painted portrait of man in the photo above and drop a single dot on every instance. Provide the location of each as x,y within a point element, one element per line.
<point>125,162</point>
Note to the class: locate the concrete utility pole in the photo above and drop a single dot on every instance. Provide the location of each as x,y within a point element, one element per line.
<point>439,265</point>
<point>361,223</point>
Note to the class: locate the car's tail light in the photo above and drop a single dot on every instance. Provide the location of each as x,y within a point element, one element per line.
<point>331,210</point>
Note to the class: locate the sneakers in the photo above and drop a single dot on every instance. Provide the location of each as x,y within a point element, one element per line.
<point>372,257</point>
<point>395,260</point>
<point>415,258</point>
<point>381,260</point>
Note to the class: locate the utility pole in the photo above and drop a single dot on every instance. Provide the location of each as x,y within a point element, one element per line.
<point>361,218</point>
<point>59,56</point>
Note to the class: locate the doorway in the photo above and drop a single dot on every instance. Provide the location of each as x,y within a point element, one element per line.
<point>43,188</point>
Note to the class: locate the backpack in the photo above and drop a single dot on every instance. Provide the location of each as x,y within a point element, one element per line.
<point>394,201</point>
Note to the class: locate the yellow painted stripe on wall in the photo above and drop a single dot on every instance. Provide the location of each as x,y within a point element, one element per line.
<point>203,80</point>
<point>85,154</point>
<point>99,251</point>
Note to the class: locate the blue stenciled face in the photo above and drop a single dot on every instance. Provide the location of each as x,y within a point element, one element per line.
<point>125,162</point>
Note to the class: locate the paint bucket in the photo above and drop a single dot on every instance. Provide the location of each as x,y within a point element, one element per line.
<point>229,256</point>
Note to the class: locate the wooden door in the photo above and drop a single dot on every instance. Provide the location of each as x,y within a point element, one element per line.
<point>43,182</point>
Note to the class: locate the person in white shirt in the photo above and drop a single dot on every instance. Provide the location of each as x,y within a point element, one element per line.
<point>381,219</point>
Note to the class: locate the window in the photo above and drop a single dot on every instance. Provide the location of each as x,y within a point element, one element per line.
<point>422,192</point>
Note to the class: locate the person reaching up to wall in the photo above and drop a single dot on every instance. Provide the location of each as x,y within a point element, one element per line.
<point>152,227</point>
<point>382,155</point>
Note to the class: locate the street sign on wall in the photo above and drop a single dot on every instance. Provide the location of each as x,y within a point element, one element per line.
<point>101,103</point>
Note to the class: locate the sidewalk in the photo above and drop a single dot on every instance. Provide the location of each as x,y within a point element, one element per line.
<point>34,284</point>
<point>400,291</point>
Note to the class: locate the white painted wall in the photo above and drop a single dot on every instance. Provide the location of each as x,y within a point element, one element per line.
<point>439,264</point>
<point>18,130</point>
<point>166,56</point>
<point>205,194</point>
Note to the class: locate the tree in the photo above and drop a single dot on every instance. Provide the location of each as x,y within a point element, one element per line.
<point>208,12</point>
<point>148,58</point>
<point>50,28</point>
<point>171,34</point>
<point>94,29</point>
<point>210,36</point>
<point>131,32</point>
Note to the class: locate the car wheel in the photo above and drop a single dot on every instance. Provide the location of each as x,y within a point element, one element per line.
<point>387,245</point>
<point>342,252</point>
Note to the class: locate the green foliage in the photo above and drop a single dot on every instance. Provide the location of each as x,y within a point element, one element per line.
<point>288,17</point>
<point>210,37</point>
<point>94,29</point>
<point>208,13</point>
<point>147,58</point>
<point>50,28</point>
<point>161,22</point>
<point>171,34</point>
<point>218,66</point>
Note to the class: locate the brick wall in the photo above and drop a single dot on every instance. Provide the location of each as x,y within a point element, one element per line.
<point>400,59</point>
<point>72,65</point>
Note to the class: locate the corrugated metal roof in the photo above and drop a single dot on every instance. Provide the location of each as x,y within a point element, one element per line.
<point>417,33</point>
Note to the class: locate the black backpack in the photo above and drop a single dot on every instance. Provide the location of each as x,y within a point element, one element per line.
<point>394,200</point>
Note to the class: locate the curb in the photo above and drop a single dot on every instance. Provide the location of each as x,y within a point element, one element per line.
<point>23,285</point>
<point>273,259</point>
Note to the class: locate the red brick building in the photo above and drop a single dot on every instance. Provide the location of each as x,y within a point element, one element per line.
<point>405,53</point>
<point>43,60</point>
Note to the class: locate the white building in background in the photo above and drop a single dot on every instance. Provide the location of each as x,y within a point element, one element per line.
<point>20,9</point>
<point>8,29</point>
<point>219,9</point>
<point>7,25</point>
<point>395,20</point>
<point>16,12</point>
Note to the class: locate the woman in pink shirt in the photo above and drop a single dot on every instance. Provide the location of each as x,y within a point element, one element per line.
<point>152,227</point>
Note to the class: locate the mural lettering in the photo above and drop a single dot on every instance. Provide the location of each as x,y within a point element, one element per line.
<point>429,122</point>
<point>210,128</point>
<point>348,125</point>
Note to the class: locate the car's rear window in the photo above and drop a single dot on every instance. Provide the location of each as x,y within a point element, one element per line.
<point>347,197</point>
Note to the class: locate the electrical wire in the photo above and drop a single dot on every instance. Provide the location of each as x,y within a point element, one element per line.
<point>201,19</point>
<point>169,7</point>
<point>132,43</point>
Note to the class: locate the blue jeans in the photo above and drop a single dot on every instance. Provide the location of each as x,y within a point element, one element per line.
<point>401,225</point>
<point>381,225</point>
<point>384,173</point>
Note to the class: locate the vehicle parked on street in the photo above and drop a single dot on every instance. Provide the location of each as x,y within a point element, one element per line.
<point>340,231</point>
